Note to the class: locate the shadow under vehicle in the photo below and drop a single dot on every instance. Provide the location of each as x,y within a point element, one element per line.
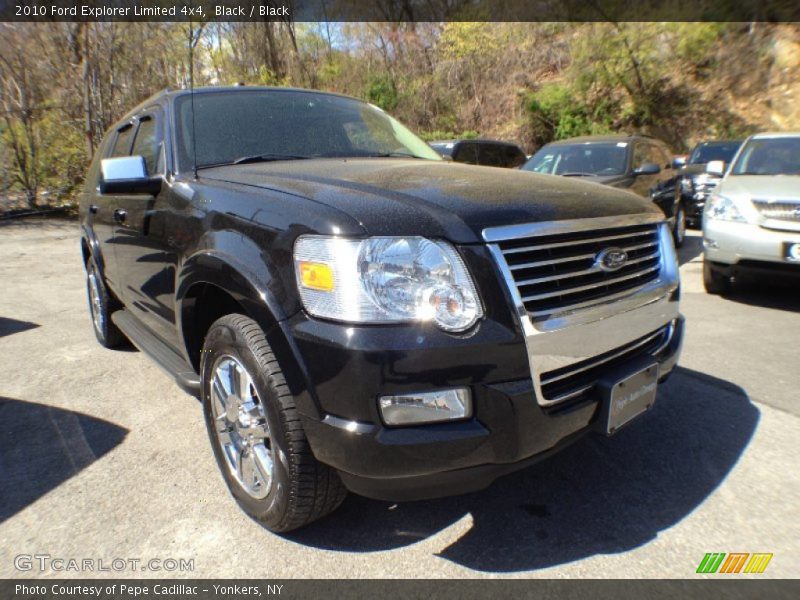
<point>600,496</point>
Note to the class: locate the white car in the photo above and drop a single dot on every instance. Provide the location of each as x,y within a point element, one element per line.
<point>752,220</point>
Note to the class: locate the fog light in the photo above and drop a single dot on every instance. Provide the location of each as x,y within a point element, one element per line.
<point>428,407</point>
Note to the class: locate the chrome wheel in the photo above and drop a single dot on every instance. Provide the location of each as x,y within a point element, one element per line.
<point>95,301</point>
<point>240,422</point>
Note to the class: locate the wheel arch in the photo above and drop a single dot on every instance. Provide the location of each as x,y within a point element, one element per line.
<point>213,285</point>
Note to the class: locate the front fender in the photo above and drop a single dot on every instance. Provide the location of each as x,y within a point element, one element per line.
<point>88,236</point>
<point>247,279</point>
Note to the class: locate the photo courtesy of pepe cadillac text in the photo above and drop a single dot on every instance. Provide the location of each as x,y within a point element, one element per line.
<point>143,589</point>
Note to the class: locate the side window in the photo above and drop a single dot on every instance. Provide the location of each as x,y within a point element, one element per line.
<point>466,153</point>
<point>122,145</point>
<point>492,155</point>
<point>148,144</point>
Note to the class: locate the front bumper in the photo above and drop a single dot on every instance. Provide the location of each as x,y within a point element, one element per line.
<point>509,431</point>
<point>731,243</point>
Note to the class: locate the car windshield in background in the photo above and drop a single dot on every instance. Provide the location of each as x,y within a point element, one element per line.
<point>769,156</point>
<point>705,153</point>
<point>580,159</point>
<point>273,125</point>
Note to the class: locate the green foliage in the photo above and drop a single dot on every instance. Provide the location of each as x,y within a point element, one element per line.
<point>558,111</point>
<point>470,40</point>
<point>382,92</point>
<point>62,156</point>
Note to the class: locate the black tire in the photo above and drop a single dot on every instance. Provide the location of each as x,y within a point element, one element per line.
<point>679,229</point>
<point>302,489</point>
<point>100,310</point>
<point>714,281</point>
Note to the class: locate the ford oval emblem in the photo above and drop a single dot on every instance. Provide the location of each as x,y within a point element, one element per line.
<point>611,259</point>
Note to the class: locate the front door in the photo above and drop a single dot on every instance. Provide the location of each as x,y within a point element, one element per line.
<point>145,261</point>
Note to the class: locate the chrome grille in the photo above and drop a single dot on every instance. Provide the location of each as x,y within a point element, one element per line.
<point>559,272</point>
<point>782,210</point>
<point>577,381</point>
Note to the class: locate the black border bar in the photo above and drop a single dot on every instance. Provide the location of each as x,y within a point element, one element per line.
<point>710,588</point>
<point>401,10</point>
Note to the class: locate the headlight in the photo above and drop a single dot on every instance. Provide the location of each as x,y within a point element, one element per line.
<point>385,280</point>
<point>722,208</point>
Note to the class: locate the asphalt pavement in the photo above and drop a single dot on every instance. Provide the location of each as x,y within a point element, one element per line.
<point>103,457</point>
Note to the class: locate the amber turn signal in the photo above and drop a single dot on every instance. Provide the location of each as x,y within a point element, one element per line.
<point>316,276</point>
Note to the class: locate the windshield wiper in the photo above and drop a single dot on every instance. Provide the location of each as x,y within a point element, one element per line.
<point>265,158</point>
<point>576,174</point>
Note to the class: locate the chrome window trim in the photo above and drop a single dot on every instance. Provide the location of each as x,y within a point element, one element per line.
<point>656,292</point>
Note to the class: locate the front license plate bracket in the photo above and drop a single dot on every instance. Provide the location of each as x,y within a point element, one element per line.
<point>626,393</point>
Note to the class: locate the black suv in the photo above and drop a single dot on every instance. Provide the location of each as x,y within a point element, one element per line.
<point>639,163</point>
<point>696,184</point>
<point>356,313</point>
<point>489,153</point>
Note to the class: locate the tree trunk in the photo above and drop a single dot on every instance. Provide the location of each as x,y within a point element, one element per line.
<point>87,97</point>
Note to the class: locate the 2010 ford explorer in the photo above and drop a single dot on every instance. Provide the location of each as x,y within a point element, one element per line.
<point>358,314</point>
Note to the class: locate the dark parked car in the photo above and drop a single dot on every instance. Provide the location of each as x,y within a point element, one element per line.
<point>696,184</point>
<point>489,153</point>
<point>356,313</point>
<point>638,163</point>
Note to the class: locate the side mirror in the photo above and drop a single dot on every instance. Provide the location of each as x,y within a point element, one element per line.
<point>716,167</point>
<point>127,175</point>
<point>679,162</point>
<point>647,169</point>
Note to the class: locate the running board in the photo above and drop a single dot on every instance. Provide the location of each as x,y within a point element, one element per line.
<point>166,358</point>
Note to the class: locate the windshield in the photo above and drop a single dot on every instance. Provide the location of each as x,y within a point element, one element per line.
<point>580,159</point>
<point>243,125</point>
<point>705,153</point>
<point>769,156</point>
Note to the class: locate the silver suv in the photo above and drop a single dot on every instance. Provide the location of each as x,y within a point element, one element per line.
<point>752,221</point>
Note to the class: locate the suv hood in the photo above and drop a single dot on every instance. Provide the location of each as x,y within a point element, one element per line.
<point>388,196</point>
<point>763,187</point>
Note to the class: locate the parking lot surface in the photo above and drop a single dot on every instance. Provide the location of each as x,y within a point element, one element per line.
<point>103,457</point>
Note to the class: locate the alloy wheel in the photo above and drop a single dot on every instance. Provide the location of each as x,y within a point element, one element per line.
<point>240,422</point>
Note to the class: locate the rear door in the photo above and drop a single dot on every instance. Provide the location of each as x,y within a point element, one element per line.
<point>144,257</point>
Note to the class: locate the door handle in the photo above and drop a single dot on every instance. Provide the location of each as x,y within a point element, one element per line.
<point>120,215</point>
<point>93,208</point>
